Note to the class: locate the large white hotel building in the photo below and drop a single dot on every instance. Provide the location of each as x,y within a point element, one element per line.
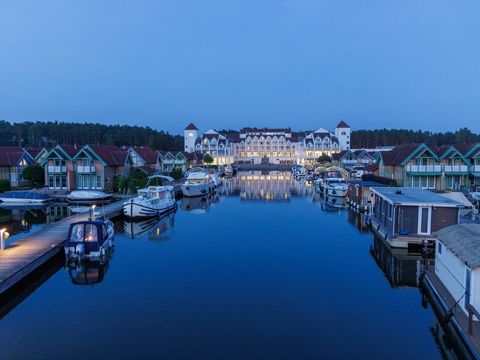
<point>267,146</point>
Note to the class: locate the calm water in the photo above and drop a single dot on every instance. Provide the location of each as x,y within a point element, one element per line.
<point>266,270</point>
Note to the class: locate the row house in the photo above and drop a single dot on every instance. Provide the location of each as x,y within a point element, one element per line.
<point>59,167</point>
<point>419,166</point>
<point>12,161</point>
<point>472,153</point>
<point>168,161</point>
<point>350,158</point>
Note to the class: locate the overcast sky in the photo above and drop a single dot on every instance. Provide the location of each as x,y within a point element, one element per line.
<point>229,64</point>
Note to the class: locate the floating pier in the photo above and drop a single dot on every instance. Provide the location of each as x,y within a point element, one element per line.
<point>22,257</point>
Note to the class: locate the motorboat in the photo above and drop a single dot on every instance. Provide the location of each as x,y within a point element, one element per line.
<point>299,171</point>
<point>357,172</point>
<point>217,179</point>
<point>151,201</point>
<point>88,196</point>
<point>24,197</point>
<point>199,182</point>
<point>337,187</point>
<point>89,239</point>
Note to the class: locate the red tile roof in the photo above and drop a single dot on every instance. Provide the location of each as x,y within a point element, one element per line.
<point>398,154</point>
<point>10,155</point>
<point>111,155</point>
<point>343,124</point>
<point>147,154</point>
<point>191,126</point>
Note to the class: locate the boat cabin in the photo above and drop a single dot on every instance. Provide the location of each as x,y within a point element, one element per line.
<point>407,213</point>
<point>360,196</point>
<point>457,263</point>
<point>88,238</point>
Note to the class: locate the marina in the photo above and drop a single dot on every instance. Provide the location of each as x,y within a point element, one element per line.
<point>263,286</point>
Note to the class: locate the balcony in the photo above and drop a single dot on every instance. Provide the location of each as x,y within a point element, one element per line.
<point>424,169</point>
<point>56,169</point>
<point>475,168</point>
<point>85,169</point>
<point>455,169</point>
<point>349,161</point>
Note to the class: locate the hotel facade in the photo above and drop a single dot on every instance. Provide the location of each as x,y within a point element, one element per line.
<point>267,145</point>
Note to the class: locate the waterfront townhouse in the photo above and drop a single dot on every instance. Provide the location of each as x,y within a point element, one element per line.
<point>412,165</point>
<point>12,162</point>
<point>472,153</point>
<point>350,158</point>
<point>167,161</point>
<point>96,166</point>
<point>454,168</point>
<point>59,167</point>
<point>440,168</point>
<point>142,157</point>
<point>37,153</point>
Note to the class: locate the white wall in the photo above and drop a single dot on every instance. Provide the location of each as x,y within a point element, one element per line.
<point>189,137</point>
<point>451,271</point>
<point>343,140</point>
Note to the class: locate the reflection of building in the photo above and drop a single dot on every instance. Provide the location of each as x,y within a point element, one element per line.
<point>272,186</point>
<point>267,145</point>
<point>400,267</point>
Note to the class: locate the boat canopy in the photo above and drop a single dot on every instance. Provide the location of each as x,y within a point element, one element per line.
<point>87,232</point>
<point>168,178</point>
<point>26,195</point>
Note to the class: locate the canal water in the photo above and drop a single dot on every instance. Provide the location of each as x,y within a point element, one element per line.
<point>265,270</point>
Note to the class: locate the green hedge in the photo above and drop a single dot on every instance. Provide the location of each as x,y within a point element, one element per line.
<point>4,185</point>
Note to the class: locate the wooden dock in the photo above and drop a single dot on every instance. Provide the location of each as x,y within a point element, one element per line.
<point>22,257</point>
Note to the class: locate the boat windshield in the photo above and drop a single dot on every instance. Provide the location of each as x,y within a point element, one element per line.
<point>336,181</point>
<point>84,232</point>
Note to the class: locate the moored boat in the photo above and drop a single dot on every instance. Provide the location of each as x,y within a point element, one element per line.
<point>24,197</point>
<point>89,239</point>
<point>331,183</point>
<point>199,182</point>
<point>151,201</point>
<point>88,196</point>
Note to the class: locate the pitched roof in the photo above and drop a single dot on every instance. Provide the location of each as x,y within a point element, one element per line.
<point>33,151</point>
<point>147,154</point>
<point>463,240</point>
<point>109,154</point>
<point>71,150</point>
<point>10,155</point>
<point>343,124</point>
<point>398,154</point>
<point>191,126</point>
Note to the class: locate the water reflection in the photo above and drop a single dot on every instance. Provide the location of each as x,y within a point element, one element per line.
<point>155,229</point>
<point>25,219</point>
<point>401,267</point>
<point>329,203</point>
<point>88,272</point>
<point>269,186</point>
<point>199,204</point>
<point>359,220</point>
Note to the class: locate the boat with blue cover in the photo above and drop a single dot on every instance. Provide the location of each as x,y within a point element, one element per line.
<point>89,239</point>
<point>24,197</point>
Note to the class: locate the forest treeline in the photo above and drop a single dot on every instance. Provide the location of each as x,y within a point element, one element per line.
<point>389,137</point>
<point>38,134</point>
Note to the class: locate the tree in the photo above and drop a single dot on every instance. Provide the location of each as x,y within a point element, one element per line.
<point>324,158</point>
<point>208,159</point>
<point>35,174</point>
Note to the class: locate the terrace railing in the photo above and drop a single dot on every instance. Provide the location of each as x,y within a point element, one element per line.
<point>456,168</point>
<point>424,168</point>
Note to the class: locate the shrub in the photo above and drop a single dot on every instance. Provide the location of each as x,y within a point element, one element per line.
<point>4,185</point>
<point>176,174</point>
<point>208,159</point>
<point>35,174</point>
<point>137,180</point>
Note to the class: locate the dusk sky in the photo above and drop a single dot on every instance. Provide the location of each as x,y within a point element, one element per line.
<point>229,64</point>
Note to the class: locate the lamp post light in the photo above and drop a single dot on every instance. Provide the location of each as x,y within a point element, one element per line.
<point>92,215</point>
<point>3,236</point>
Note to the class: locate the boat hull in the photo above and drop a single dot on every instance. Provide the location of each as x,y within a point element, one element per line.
<point>8,201</point>
<point>135,210</point>
<point>334,192</point>
<point>193,190</point>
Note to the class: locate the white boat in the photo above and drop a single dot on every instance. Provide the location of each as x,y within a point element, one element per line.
<point>337,187</point>
<point>24,197</point>
<point>88,196</point>
<point>199,183</point>
<point>152,200</point>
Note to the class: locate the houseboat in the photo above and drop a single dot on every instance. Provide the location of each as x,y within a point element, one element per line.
<point>453,286</point>
<point>89,239</point>
<point>199,182</point>
<point>409,216</point>
<point>359,196</point>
